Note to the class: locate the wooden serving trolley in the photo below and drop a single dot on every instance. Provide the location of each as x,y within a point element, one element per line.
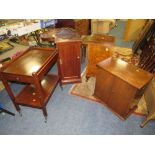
<point>31,68</point>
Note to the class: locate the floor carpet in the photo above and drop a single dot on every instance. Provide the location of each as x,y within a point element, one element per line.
<point>71,115</point>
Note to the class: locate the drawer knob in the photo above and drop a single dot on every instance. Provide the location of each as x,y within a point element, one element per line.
<point>106,49</point>
<point>78,57</point>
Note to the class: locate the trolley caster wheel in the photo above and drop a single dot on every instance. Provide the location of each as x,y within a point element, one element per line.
<point>20,113</point>
<point>61,87</point>
<point>45,119</point>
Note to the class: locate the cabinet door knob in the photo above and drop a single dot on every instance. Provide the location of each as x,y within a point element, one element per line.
<point>106,49</point>
<point>78,57</point>
<point>17,78</point>
<point>60,62</point>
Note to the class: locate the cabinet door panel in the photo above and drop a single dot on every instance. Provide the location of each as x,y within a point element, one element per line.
<point>122,95</point>
<point>69,59</point>
<point>104,82</point>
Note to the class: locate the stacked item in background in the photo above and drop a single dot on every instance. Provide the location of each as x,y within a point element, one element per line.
<point>126,54</point>
<point>147,57</point>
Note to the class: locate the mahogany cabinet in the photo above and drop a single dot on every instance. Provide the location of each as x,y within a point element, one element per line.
<point>96,52</point>
<point>118,84</point>
<point>69,61</point>
<point>99,47</point>
<point>68,45</point>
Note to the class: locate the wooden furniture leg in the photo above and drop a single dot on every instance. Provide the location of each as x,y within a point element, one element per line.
<point>45,113</point>
<point>87,78</point>
<point>38,86</point>
<point>60,84</point>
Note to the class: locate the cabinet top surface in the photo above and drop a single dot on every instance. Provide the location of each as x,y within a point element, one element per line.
<point>29,62</point>
<point>98,38</point>
<point>61,34</point>
<point>127,72</point>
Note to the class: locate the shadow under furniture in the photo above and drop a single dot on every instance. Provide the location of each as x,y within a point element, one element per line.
<point>2,109</point>
<point>31,68</point>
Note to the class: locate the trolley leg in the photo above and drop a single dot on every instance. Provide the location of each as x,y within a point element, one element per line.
<point>45,113</point>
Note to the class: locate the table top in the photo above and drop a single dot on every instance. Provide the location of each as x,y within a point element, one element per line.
<point>30,61</point>
<point>125,71</point>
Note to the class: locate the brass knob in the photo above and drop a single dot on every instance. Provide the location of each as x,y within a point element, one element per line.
<point>106,49</point>
<point>78,57</point>
<point>60,62</point>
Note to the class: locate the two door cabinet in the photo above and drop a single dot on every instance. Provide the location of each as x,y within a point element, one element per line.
<point>118,84</point>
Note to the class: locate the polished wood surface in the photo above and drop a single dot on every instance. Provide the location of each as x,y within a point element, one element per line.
<point>96,52</point>
<point>99,38</point>
<point>68,44</point>
<point>136,76</point>
<point>29,62</point>
<point>69,61</point>
<point>61,34</point>
<point>31,67</point>
<point>99,47</point>
<point>118,84</point>
<point>82,26</point>
<point>28,96</point>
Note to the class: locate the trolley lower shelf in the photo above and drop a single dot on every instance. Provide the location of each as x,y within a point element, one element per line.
<point>30,97</point>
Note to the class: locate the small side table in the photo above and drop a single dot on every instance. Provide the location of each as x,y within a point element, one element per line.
<point>31,68</point>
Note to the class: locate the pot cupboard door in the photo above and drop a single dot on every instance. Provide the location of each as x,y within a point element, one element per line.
<point>122,95</point>
<point>104,83</point>
<point>69,61</point>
